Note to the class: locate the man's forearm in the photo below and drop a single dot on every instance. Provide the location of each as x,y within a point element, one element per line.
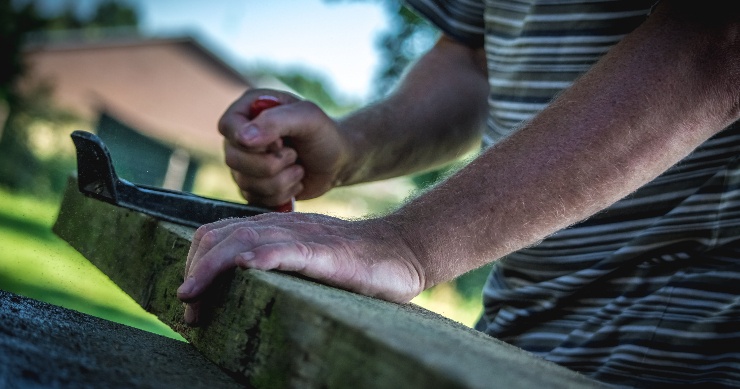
<point>655,97</point>
<point>435,116</point>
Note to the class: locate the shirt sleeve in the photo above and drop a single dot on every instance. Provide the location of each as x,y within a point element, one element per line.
<point>461,20</point>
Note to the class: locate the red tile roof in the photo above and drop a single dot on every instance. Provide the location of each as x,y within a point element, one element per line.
<point>171,89</point>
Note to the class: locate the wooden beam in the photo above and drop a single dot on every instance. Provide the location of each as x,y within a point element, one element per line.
<point>274,330</point>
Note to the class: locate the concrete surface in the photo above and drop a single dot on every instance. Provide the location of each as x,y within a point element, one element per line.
<point>46,346</point>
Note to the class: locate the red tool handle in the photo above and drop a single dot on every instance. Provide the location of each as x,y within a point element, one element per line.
<point>262,103</point>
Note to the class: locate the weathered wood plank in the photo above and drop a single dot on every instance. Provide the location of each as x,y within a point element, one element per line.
<point>46,346</point>
<point>274,330</point>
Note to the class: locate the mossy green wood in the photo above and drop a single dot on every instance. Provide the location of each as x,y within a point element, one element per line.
<point>274,330</point>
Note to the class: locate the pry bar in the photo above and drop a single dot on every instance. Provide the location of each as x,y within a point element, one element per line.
<point>97,178</point>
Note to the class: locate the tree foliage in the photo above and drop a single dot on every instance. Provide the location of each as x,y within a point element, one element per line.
<point>15,23</point>
<point>107,14</point>
<point>19,19</point>
<point>20,168</point>
<point>407,38</point>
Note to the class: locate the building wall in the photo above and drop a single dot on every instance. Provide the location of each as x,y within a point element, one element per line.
<point>142,160</point>
<point>172,90</point>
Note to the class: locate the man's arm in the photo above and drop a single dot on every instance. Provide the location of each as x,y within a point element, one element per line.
<point>655,97</point>
<point>434,116</point>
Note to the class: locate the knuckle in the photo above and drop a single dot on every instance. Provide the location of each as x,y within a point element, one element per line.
<point>304,250</point>
<point>224,124</point>
<point>245,235</point>
<point>310,107</point>
<point>200,232</point>
<point>312,110</point>
<point>209,239</point>
<point>263,260</point>
<point>231,158</point>
<point>283,182</point>
<point>252,164</point>
<point>240,180</point>
<point>269,119</point>
<point>290,156</point>
<point>263,191</point>
<point>221,126</point>
<point>272,168</point>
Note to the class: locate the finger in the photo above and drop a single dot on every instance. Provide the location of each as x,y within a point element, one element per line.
<point>239,129</point>
<point>208,236</point>
<point>279,202</point>
<point>220,258</point>
<point>232,121</point>
<point>290,120</point>
<point>205,237</point>
<point>272,191</point>
<point>244,103</point>
<point>310,259</point>
<point>235,120</point>
<point>274,147</point>
<point>258,164</point>
<point>285,256</point>
<point>192,313</point>
<point>297,120</point>
<point>247,133</point>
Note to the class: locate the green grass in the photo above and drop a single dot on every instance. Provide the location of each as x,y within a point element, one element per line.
<point>36,263</point>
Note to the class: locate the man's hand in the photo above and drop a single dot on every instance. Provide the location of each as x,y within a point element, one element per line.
<point>293,150</point>
<point>368,257</point>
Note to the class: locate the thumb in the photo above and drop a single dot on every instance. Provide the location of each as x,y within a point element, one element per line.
<point>239,130</point>
<point>252,136</point>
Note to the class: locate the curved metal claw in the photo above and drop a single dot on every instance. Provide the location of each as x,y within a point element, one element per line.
<point>97,178</point>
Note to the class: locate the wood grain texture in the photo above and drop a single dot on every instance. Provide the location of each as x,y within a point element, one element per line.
<point>274,330</point>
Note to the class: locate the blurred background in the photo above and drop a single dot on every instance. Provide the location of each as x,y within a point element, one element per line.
<point>151,78</point>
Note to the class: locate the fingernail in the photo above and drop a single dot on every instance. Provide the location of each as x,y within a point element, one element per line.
<point>187,287</point>
<point>249,134</point>
<point>248,256</point>
<point>189,315</point>
<point>297,172</point>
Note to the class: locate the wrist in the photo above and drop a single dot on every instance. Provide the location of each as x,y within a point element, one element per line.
<point>355,153</point>
<point>411,246</point>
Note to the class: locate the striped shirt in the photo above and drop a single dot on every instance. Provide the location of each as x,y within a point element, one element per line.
<point>645,293</point>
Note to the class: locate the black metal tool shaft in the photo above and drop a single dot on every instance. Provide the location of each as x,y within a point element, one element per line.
<point>97,178</point>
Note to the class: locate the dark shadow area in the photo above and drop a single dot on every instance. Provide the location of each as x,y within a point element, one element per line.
<point>30,227</point>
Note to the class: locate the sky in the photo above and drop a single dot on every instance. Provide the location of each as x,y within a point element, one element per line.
<point>334,39</point>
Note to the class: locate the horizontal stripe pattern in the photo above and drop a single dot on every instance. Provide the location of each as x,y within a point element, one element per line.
<point>668,284</point>
<point>646,292</point>
<point>536,49</point>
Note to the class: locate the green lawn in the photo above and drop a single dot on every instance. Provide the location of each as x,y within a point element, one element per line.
<point>36,263</point>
